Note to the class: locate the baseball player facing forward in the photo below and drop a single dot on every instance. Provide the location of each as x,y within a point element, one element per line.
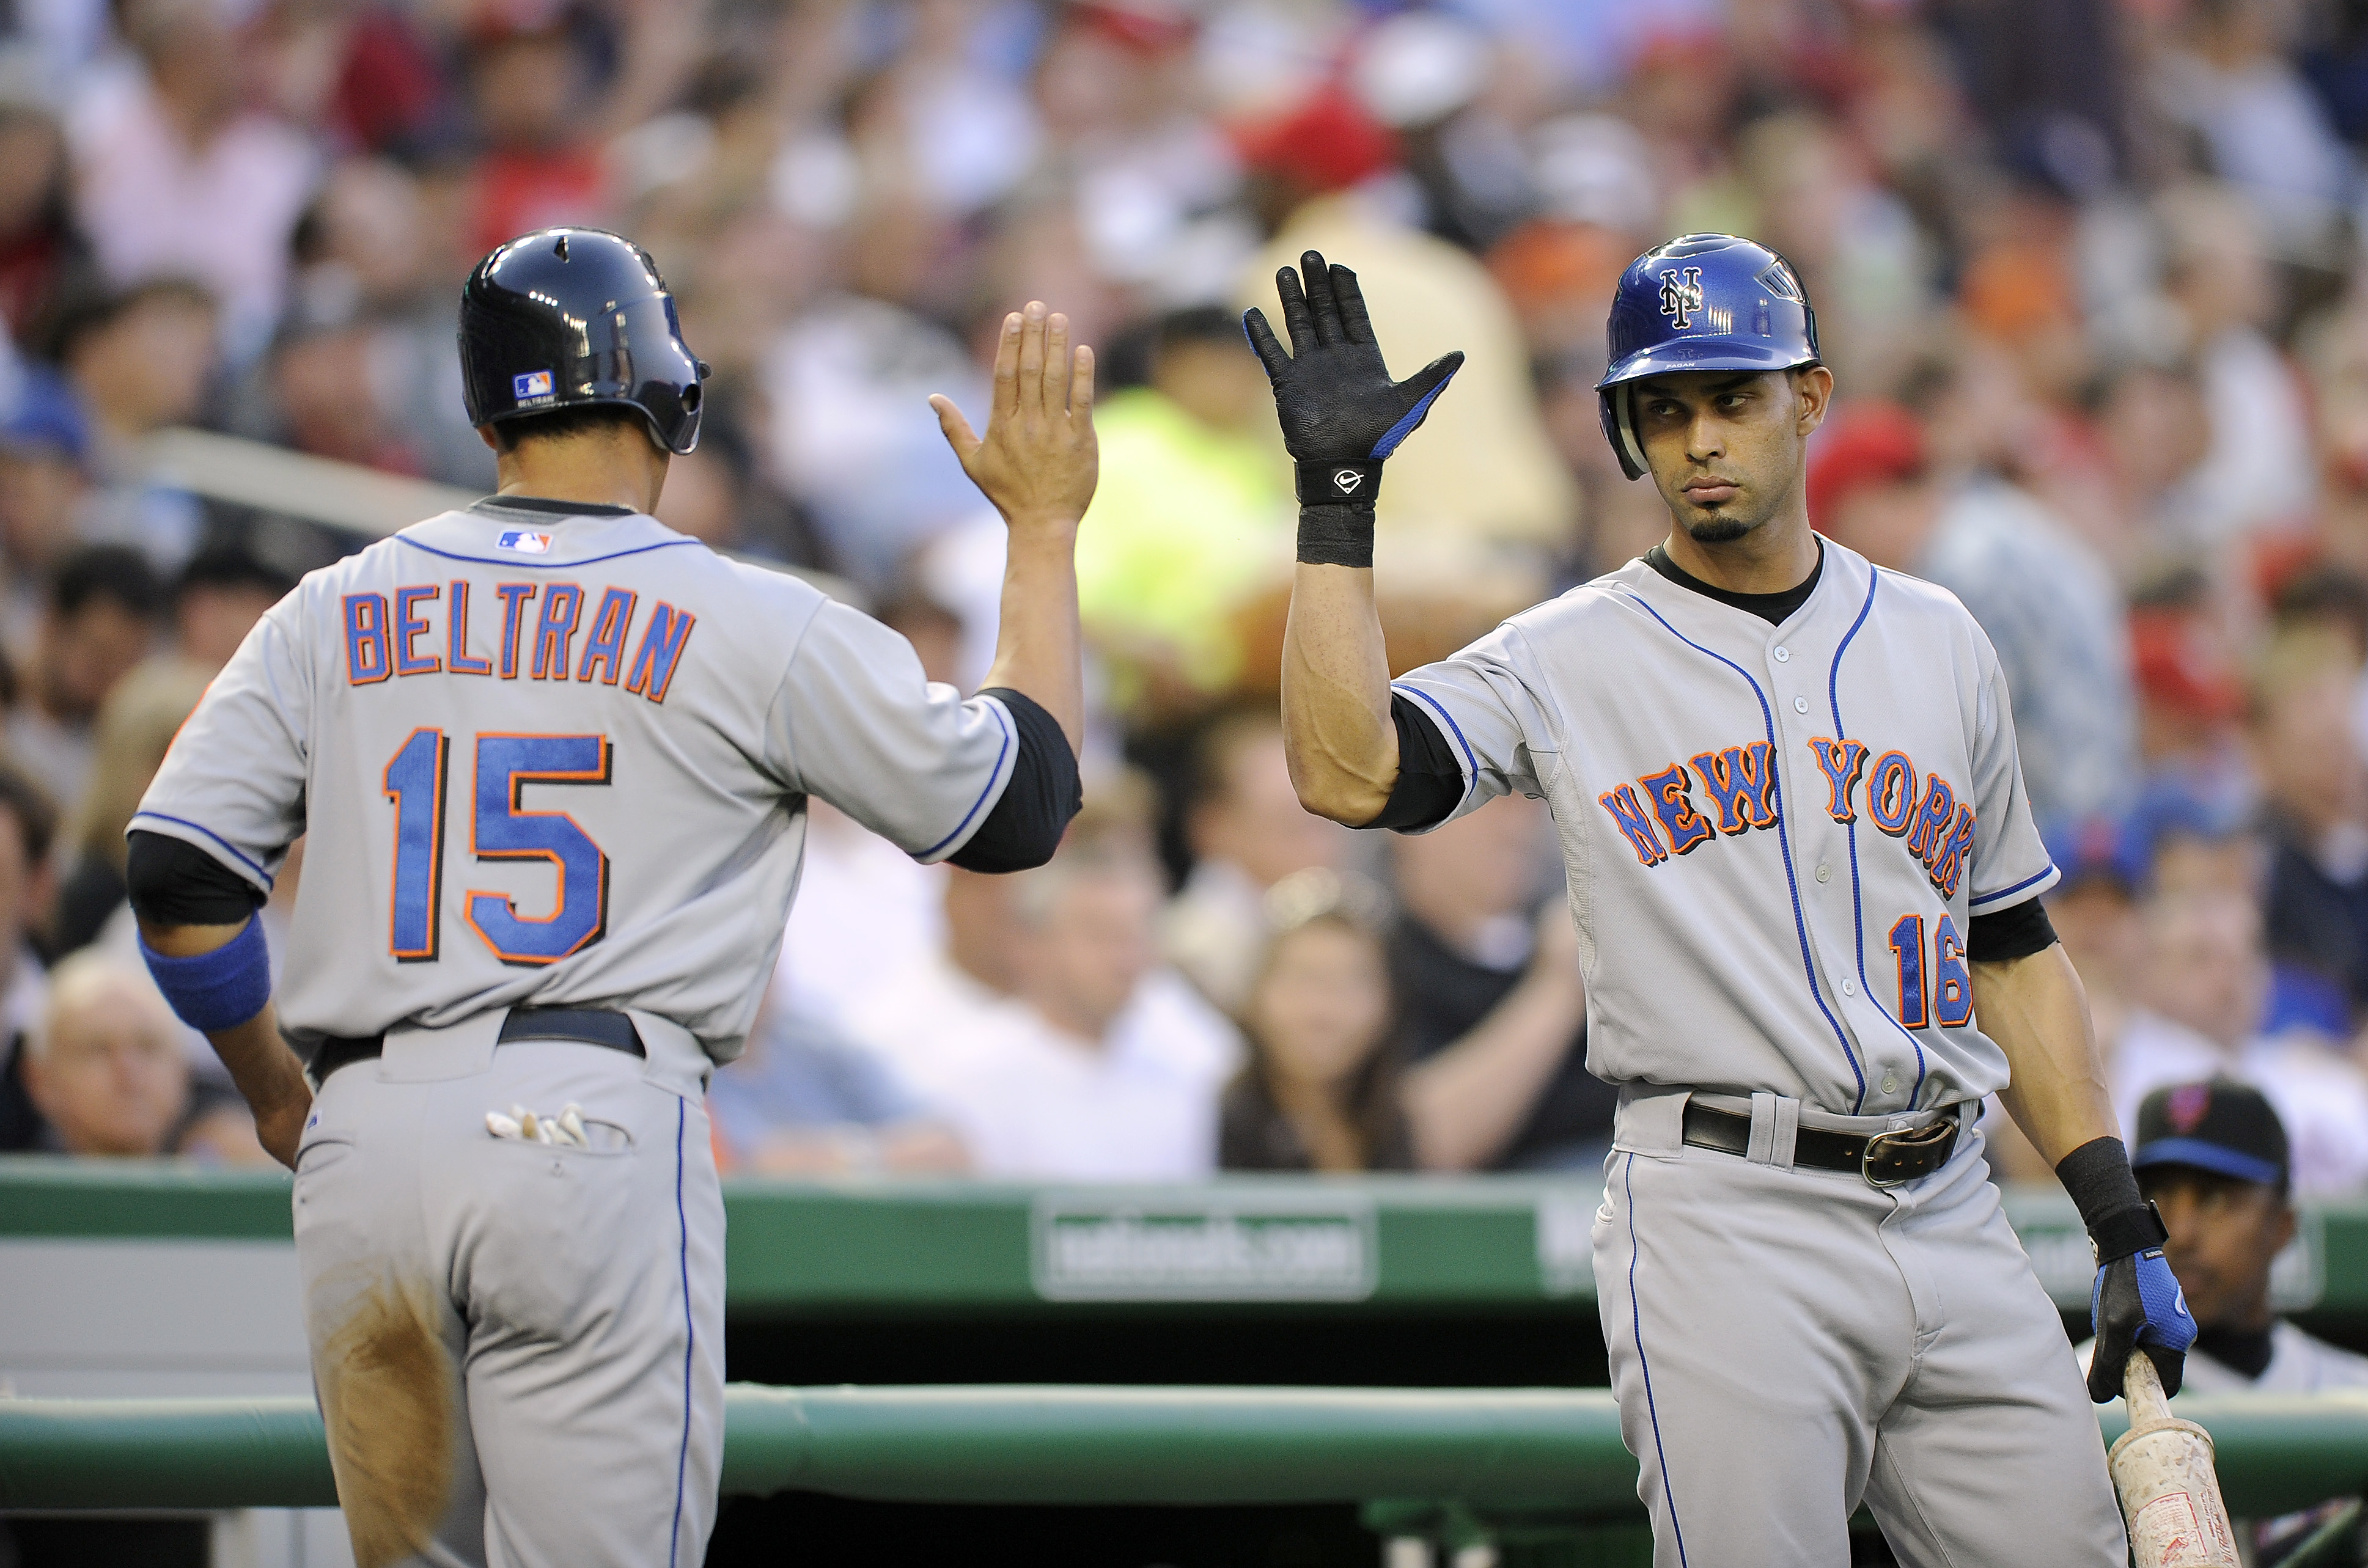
<point>552,759</point>
<point>1802,870</point>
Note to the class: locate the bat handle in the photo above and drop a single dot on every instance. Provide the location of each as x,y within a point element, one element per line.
<point>2142,1386</point>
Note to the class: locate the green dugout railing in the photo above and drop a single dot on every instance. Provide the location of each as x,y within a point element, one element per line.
<point>1483,1452</point>
<point>865,1246</point>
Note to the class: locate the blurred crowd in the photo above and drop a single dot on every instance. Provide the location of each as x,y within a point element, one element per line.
<point>2090,275</point>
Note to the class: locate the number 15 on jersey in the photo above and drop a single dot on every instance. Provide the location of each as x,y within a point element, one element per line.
<point>500,828</point>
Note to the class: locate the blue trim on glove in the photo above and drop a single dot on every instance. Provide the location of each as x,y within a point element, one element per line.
<point>2169,1325</point>
<point>220,990</point>
<point>1398,432</point>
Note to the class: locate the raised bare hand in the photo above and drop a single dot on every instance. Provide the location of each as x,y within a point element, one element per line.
<point>1038,461</point>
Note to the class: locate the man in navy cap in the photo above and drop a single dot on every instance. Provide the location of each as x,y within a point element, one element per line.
<point>2212,1156</point>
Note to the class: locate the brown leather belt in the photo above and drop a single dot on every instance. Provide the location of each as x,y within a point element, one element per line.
<point>586,1026</point>
<point>1884,1159</point>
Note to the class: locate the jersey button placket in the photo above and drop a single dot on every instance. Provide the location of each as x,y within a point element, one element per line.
<point>1805,813</point>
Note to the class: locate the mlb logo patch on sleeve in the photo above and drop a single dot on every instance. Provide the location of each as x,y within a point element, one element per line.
<point>530,384</point>
<point>525,541</point>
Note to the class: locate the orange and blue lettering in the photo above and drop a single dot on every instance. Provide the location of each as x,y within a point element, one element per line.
<point>456,635</point>
<point>1933,821</point>
<point>409,628</point>
<point>1891,792</point>
<point>1742,779</point>
<point>563,606</point>
<point>1953,986</point>
<point>661,651</point>
<point>512,596</point>
<point>1955,852</point>
<point>502,829</point>
<point>366,650</point>
<point>414,782</point>
<point>1842,762</point>
<point>1687,828</point>
<point>1635,824</point>
<point>607,643</point>
<point>1907,949</point>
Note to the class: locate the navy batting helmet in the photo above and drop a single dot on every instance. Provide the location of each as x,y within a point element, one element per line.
<point>565,317</point>
<point>1701,302</point>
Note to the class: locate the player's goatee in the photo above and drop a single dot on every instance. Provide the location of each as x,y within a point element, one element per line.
<point>1718,530</point>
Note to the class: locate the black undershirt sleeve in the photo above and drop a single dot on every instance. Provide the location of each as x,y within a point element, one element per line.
<point>173,882</point>
<point>2015,932</point>
<point>1043,793</point>
<point>1430,780</point>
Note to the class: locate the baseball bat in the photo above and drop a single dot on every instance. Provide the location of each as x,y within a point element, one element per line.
<point>2170,1494</point>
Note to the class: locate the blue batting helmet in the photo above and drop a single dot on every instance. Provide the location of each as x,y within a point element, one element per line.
<point>1701,302</point>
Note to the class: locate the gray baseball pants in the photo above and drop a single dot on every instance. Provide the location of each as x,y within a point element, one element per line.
<point>1786,1342</point>
<point>518,1348</point>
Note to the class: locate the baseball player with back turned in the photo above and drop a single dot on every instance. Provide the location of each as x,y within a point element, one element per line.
<point>553,760</point>
<point>1801,868</point>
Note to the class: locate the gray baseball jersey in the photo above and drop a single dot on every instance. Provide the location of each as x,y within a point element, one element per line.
<point>1776,836</point>
<point>547,758</point>
<point>558,761</point>
<point>1776,839</point>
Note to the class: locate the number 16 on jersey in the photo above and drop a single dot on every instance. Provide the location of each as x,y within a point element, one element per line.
<point>1952,988</point>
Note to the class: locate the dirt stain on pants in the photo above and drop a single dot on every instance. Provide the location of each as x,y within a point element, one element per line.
<point>387,1399</point>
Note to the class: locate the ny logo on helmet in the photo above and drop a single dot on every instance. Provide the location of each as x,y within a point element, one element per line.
<point>1681,298</point>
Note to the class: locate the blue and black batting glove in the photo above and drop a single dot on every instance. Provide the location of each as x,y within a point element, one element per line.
<point>2137,1303</point>
<point>1341,415</point>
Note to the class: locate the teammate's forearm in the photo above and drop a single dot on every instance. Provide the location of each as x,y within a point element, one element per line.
<point>2036,1011</point>
<point>1464,1103</point>
<point>1342,747</point>
<point>1039,647</point>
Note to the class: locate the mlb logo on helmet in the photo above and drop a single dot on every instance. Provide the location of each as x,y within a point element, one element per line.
<point>530,384</point>
<point>525,541</point>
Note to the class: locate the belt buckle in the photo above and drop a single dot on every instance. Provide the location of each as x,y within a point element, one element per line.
<point>1912,1140</point>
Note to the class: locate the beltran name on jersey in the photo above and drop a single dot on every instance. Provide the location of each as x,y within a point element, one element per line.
<point>385,635</point>
<point>577,780</point>
<point>1776,836</point>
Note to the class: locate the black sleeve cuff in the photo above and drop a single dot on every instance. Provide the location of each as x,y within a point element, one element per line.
<point>173,882</point>
<point>1430,780</point>
<point>1043,793</point>
<point>2015,932</point>
<point>2106,1190</point>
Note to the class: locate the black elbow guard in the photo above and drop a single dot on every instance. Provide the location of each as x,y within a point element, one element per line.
<point>173,882</point>
<point>1041,795</point>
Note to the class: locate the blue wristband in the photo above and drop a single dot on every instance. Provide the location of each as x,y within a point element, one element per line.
<point>219,990</point>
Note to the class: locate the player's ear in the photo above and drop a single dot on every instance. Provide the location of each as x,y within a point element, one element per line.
<point>486,433</point>
<point>1813,389</point>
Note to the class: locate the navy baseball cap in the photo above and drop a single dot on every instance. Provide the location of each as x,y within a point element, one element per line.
<point>2219,1125</point>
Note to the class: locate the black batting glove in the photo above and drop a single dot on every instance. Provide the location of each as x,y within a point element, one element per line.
<point>1341,415</point>
<point>2137,1305</point>
<point>2135,1302</point>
